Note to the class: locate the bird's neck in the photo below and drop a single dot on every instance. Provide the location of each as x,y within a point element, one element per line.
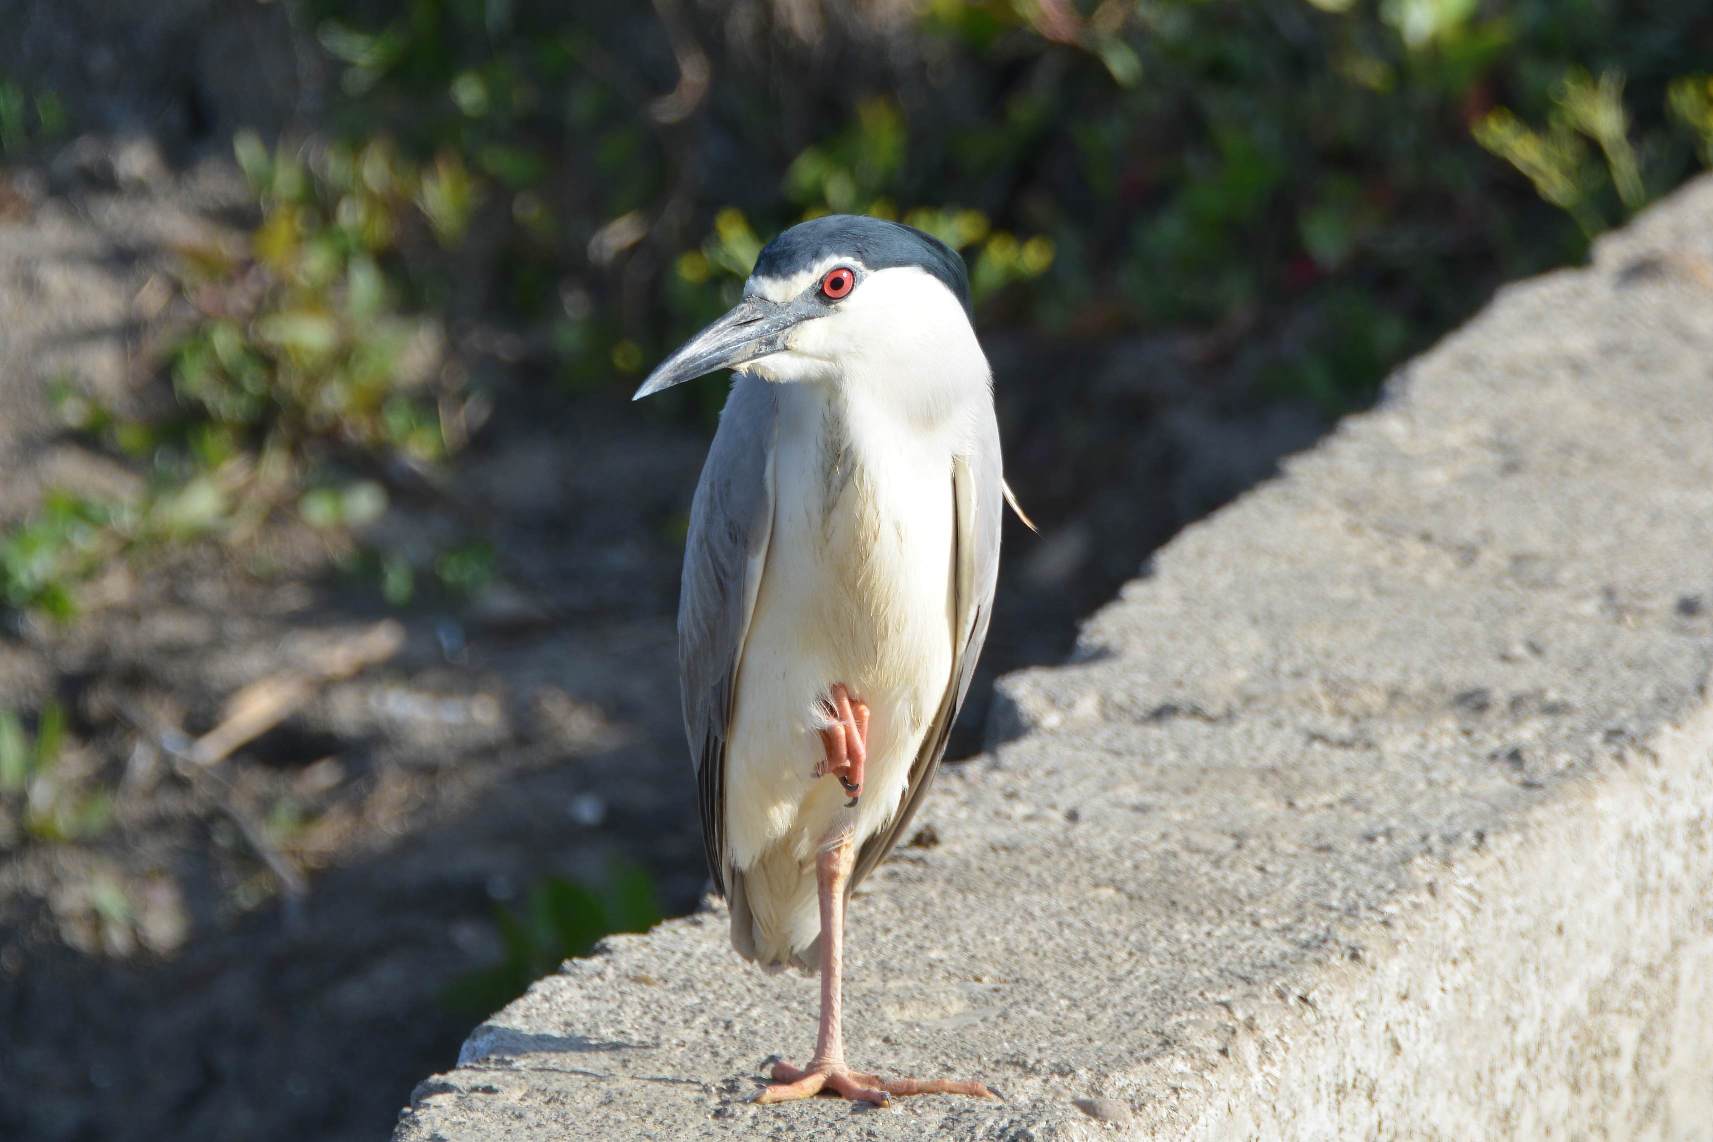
<point>925,396</point>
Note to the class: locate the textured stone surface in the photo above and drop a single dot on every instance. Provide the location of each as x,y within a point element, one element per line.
<point>1381,804</point>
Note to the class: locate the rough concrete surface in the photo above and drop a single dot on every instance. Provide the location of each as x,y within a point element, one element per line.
<point>1380,805</point>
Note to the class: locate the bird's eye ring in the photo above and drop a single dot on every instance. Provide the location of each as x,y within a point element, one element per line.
<point>838,283</point>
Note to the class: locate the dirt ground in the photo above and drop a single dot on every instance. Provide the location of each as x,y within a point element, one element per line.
<point>532,733</point>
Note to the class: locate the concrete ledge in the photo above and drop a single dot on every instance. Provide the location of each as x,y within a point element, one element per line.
<point>1381,806</point>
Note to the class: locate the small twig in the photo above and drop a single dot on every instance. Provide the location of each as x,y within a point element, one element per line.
<point>216,791</point>
<point>290,879</point>
<point>264,704</point>
<point>248,714</point>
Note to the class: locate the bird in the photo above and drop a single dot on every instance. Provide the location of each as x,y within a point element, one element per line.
<point>838,582</point>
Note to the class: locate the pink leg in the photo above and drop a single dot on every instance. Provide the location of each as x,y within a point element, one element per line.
<point>845,743</point>
<point>826,1071</point>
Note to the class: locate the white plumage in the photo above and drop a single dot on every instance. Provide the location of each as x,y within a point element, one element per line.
<point>856,590</point>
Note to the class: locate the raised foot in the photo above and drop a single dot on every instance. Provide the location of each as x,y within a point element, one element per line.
<point>844,744</point>
<point>790,1083</point>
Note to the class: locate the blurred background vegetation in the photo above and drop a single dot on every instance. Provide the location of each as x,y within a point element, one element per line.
<point>496,183</point>
<point>472,211</point>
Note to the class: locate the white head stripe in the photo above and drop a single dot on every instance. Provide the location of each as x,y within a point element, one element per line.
<point>785,289</point>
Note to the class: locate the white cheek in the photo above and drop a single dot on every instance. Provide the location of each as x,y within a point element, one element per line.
<point>790,368</point>
<point>821,338</point>
<point>914,325</point>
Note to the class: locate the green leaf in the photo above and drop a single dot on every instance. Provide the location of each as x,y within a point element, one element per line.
<point>447,196</point>
<point>1121,60</point>
<point>12,127</point>
<point>15,762</point>
<point>1420,23</point>
<point>362,503</point>
<point>305,332</point>
<point>107,897</point>
<point>632,903</point>
<point>51,116</point>
<point>365,287</point>
<point>398,580</point>
<point>254,160</point>
<point>199,505</point>
<point>50,736</point>
<point>55,601</point>
<point>89,815</point>
<point>517,167</point>
<point>1690,100</point>
<point>568,919</point>
<point>321,508</point>
<point>470,92</point>
<point>466,569</point>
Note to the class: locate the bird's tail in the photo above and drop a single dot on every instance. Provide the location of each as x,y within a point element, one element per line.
<point>776,920</point>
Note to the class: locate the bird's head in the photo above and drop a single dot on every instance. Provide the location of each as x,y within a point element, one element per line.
<point>843,300</point>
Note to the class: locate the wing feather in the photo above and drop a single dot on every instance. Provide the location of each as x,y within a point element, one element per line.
<point>725,555</point>
<point>978,498</point>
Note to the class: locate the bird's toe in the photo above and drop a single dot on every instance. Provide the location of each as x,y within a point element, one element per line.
<point>791,1084</point>
<point>857,1088</point>
<point>904,1087</point>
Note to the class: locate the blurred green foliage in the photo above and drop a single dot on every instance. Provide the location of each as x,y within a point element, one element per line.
<point>1557,160</point>
<point>1691,100</point>
<point>300,341</point>
<point>560,919</point>
<point>1335,180</point>
<point>37,791</point>
<point>28,120</point>
<point>1106,166</point>
<point>298,371</point>
<point>40,559</point>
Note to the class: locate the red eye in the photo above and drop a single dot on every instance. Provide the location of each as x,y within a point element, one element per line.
<point>838,283</point>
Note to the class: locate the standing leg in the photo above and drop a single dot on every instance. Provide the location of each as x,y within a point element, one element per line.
<point>827,1070</point>
<point>827,1067</point>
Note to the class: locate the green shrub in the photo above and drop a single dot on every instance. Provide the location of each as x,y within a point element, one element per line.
<point>1364,172</point>
<point>560,919</point>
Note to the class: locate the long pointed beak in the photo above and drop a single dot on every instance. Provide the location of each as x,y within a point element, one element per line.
<point>754,328</point>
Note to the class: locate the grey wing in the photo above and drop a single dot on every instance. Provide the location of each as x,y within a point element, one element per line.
<point>978,498</point>
<point>731,522</point>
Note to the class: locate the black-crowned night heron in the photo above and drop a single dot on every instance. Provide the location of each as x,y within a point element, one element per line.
<point>838,580</point>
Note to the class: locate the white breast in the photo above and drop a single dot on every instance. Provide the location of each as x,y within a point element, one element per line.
<point>857,589</point>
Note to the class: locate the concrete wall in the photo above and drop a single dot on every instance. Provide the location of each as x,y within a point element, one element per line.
<point>1381,805</point>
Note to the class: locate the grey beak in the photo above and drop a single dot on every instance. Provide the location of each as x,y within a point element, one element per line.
<point>754,328</point>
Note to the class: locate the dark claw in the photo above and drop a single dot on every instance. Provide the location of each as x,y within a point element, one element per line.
<point>851,804</point>
<point>851,787</point>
